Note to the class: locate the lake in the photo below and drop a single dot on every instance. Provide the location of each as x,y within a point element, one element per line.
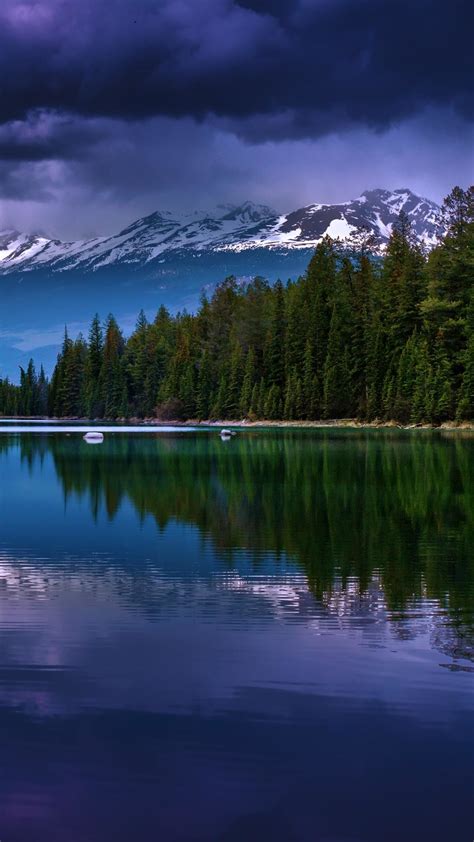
<point>268,638</point>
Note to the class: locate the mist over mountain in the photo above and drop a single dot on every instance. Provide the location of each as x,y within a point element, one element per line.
<point>168,258</point>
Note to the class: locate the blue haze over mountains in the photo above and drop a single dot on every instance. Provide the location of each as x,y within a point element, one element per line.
<point>170,259</point>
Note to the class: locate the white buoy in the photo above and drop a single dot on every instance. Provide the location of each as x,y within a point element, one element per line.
<point>225,435</point>
<point>93,437</point>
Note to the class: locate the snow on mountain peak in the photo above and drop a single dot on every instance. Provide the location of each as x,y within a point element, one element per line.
<point>228,228</point>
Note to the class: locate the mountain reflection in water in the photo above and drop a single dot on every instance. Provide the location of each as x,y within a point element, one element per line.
<point>225,639</point>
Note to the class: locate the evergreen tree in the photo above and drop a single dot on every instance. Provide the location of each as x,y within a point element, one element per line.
<point>234,385</point>
<point>319,289</point>
<point>254,401</point>
<point>289,408</point>
<point>404,385</point>
<point>93,398</point>
<point>187,394</point>
<point>28,390</point>
<point>465,405</point>
<point>272,407</point>
<point>402,283</point>
<point>204,387</point>
<point>374,368</point>
<point>337,400</point>
<point>421,398</point>
<point>42,393</point>
<point>218,409</point>
<point>262,397</point>
<point>112,376</point>
<point>248,384</point>
<point>275,360</point>
<point>136,364</point>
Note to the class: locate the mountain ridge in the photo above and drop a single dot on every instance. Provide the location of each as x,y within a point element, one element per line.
<point>152,239</point>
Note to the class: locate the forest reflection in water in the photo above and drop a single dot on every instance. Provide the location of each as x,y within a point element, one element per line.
<point>205,640</point>
<point>353,509</point>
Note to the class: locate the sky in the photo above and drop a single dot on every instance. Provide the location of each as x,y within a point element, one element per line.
<point>111,109</point>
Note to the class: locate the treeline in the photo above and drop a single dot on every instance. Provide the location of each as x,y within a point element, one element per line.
<point>354,337</point>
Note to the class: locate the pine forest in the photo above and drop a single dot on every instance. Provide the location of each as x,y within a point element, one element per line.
<point>388,337</point>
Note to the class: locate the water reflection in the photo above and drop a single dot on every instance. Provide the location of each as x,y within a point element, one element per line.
<point>259,630</point>
<point>355,504</point>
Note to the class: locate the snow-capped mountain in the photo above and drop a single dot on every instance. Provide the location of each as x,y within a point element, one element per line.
<point>159,237</point>
<point>20,247</point>
<point>169,259</point>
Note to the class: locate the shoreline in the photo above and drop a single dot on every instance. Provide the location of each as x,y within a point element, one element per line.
<point>339,423</point>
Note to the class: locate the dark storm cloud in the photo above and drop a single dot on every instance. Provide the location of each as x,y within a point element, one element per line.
<point>21,183</point>
<point>269,69</point>
<point>43,136</point>
<point>112,108</point>
<point>138,167</point>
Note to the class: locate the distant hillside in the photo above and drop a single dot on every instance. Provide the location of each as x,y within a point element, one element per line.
<point>169,259</point>
<point>147,242</point>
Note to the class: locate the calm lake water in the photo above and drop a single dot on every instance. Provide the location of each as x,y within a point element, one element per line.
<point>263,639</point>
